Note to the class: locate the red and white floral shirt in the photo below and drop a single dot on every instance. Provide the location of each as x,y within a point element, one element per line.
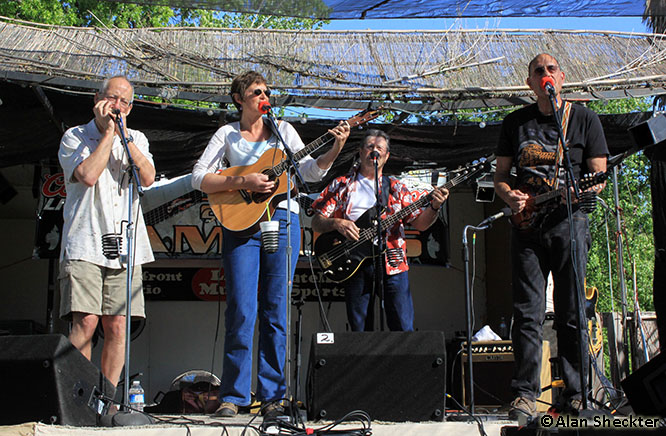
<point>334,202</point>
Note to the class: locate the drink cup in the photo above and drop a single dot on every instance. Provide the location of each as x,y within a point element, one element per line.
<point>269,235</point>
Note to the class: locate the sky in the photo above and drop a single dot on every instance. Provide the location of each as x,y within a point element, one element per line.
<point>623,24</point>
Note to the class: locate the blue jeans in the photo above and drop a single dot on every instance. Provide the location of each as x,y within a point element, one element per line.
<point>535,254</point>
<point>245,266</point>
<point>398,304</point>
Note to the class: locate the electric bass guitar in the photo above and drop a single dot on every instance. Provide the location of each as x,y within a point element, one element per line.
<point>340,258</point>
<point>242,210</point>
<point>538,206</point>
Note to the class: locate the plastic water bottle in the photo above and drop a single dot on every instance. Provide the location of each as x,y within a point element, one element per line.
<point>503,329</point>
<point>136,396</point>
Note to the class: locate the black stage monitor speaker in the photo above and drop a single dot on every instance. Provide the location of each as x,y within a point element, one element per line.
<point>646,387</point>
<point>649,132</point>
<point>45,378</point>
<point>393,376</point>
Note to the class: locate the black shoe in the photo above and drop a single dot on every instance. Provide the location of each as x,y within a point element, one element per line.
<point>226,410</point>
<point>272,409</point>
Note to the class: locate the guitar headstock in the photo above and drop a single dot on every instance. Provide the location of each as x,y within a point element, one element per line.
<point>481,165</point>
<point>364,117</point>
<point>590,180</point>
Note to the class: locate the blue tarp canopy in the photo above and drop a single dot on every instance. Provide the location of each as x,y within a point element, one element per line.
<point>378,9</point>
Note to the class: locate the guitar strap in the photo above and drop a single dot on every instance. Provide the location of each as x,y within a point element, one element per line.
<point>560,146</point>
<point>386,187</point>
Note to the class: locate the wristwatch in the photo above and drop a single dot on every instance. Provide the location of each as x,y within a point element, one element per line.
<point>130,138</point>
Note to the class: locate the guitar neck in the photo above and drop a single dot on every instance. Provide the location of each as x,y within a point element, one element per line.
<point>584,183</point>
<point>305,151</point>
<point>391,220</point>
<point>548,196</point>
<point>421,202</point>
<point>314,145</point>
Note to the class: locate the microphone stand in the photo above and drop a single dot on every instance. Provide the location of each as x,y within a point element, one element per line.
<point>133,178</point>
<point>289,281</point>
<point>571,183</point>
<point>379,262</point>
<point>485,224</point>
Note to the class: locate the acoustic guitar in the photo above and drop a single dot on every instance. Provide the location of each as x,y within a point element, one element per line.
<point>242,210</point>
<point>340,257</point>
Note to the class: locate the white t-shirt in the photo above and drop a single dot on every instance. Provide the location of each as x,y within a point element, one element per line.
<point>362,198</point>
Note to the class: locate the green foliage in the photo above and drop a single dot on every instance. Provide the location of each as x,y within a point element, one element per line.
<point>638,244</point>
<point>84,13</point>
<point>621,106</point>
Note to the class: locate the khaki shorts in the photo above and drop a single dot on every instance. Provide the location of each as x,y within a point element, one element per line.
<point>89,288</point>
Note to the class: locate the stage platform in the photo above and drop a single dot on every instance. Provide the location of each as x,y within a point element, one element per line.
<point>248,425</point>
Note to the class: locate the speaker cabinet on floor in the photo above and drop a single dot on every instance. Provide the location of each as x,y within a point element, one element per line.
<point>45,378</point>
<point>393,376</point>
<point>646,387</point>
<point>492,366</point>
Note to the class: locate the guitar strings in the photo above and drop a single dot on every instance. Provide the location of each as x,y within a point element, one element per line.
<point>366,234</point>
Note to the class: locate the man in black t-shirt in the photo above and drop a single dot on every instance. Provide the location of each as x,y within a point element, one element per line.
<point>529,141</point>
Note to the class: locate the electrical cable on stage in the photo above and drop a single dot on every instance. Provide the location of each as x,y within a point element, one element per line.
<point>283,427</point>
<point>479,423</point>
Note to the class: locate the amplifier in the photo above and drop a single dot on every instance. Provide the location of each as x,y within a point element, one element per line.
<point>493,366</point>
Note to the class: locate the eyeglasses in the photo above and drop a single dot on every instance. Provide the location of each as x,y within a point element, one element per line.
<point>123,102</point>
<point>551,69</point>
<point>379,148</point>
<point>259,91</point>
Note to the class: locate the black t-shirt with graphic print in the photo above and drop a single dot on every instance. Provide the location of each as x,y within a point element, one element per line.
<point>530,139</point>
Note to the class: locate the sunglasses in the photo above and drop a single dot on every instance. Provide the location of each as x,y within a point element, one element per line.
<point>259,91</point>
<point>551,69</point>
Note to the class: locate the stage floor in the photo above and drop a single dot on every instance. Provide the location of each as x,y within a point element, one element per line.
<point>247,425</point>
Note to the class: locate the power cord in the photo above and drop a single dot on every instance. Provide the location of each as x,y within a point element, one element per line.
<point>479,423</point>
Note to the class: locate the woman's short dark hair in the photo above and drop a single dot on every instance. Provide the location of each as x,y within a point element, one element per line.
<point>243,81</point>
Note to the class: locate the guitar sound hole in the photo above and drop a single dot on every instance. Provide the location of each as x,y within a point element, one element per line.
<point>261,197</point>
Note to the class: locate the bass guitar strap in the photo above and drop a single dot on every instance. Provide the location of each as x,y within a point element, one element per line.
<point>386,187</point>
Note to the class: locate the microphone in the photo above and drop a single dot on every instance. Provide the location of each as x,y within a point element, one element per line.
<point>502,213</point>
<point>374,155</point>
<point>115,111</point>
<point>548,85</point>
<point>111,245</point>
<point>265,108</point>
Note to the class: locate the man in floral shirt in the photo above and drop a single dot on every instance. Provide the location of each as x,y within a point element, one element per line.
<point>344,201</point>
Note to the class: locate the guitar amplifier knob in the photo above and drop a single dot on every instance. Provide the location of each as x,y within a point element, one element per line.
<point>339,268</point>
<point>348,261</point>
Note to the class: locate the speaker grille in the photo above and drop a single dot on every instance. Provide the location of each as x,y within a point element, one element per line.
<point>393,376</point>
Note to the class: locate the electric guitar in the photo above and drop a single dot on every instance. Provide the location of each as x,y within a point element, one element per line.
<point>340,258</point>
<point>538,206</point>
<point>242,210</point>
<point>593,325</point>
